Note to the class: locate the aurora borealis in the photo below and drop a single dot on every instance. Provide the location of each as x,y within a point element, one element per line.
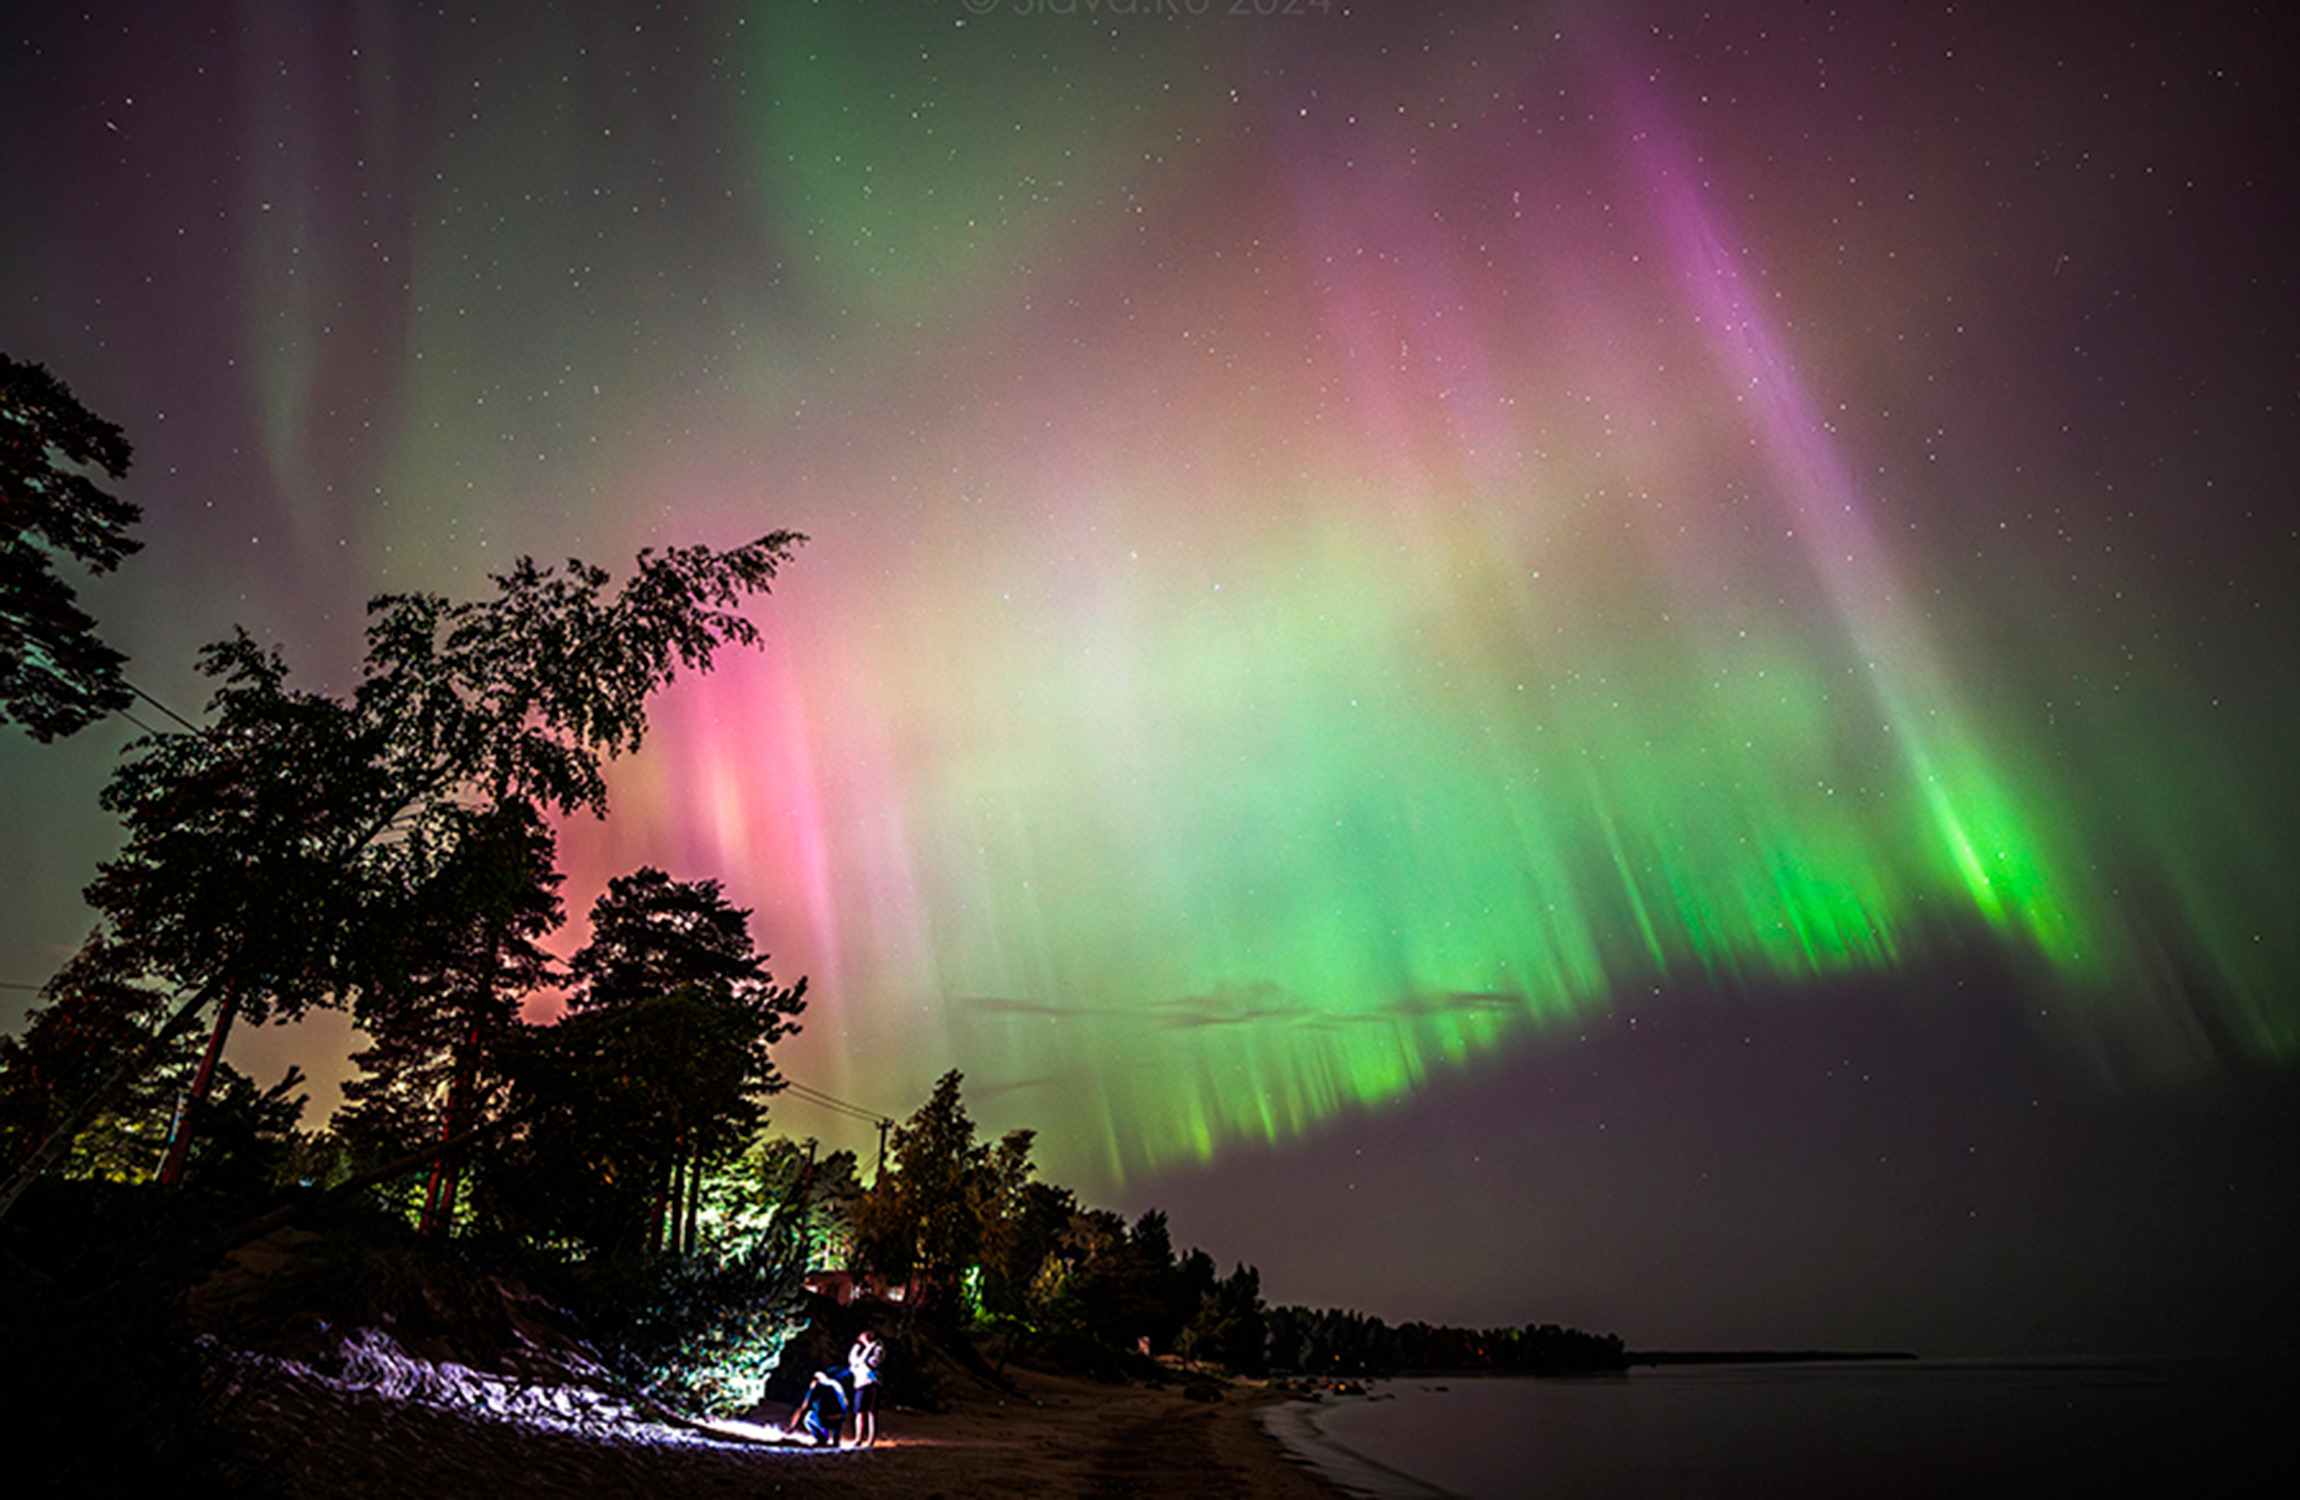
<point>1350,543</point>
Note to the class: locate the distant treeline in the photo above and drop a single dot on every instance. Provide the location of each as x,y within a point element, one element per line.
<point>1761,1356</point>
<point>1334,1341</point>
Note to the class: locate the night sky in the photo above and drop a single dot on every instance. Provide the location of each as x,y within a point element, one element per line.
<point>1631,664</point>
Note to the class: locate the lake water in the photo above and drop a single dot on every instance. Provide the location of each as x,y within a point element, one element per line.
<point>1801,1432</point>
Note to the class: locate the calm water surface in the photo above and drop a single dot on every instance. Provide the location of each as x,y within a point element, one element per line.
<point>1787,1432</point>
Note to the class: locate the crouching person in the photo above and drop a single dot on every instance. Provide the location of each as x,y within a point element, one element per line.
<point>823,1410</point>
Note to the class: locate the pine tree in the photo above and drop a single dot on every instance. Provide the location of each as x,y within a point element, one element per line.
<point>56,675</point>
<point>657,1074</point>
<point>437,1027</point>
<point>946,1201</point>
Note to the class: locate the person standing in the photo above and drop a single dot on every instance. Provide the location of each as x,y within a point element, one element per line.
<point>862,1364</point>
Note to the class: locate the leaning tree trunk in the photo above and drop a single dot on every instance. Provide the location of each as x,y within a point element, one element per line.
<point>180,1134</point>
<point>59,1141</point>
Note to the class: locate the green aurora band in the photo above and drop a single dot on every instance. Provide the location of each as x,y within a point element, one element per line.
<point>1385,760</point>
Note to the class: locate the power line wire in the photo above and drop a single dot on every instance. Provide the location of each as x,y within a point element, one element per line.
<point>162,707</point>
<point>882,1123</point>
<point>817,1097</point>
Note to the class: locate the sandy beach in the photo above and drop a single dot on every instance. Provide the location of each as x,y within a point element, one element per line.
<point>1055,1437</point>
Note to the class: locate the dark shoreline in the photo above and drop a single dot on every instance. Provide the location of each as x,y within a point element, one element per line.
<point>1631,1359</point>
<point>1761,1356</point>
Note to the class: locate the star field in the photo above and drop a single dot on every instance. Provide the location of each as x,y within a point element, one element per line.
<point>1352,546</point>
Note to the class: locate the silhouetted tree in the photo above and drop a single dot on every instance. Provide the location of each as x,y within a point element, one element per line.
<point>1115,1293</point>
<point>56,676</point>
<point>1195,1277</point>
<point>653,938</point>
<point>1026,1240</point>
<point>651,934</point>
<point>613,1100</point>
<point>439,1016</point>
<point>85,1028</point>
<point>928,1217</point>
<point>778,1181</point>
<point>1338,1341</point>
<point>265,860</point>
<point>251,871</point>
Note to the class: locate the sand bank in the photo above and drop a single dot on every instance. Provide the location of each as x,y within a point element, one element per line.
<point>1057,1438</point>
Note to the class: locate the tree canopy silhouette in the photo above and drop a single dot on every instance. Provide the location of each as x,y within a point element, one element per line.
<point>657,1075</point>
<point>929,1217</point>
<point>56,675</point>
<point>275,859</point>
<point>466,957</point>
